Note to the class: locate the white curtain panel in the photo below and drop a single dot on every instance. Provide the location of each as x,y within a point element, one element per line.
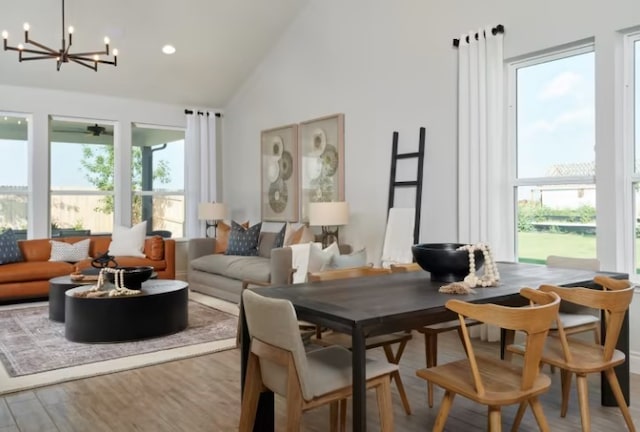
<point>483,193</point>
<point>200,182</point>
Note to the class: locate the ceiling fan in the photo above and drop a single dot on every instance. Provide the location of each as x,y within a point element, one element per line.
<point>93,130</point>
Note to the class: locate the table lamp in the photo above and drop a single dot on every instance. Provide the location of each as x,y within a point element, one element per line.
<point>211,212</point>
<point>328,215</point>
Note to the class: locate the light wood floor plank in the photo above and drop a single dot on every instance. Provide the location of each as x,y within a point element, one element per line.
<point>203,394</point>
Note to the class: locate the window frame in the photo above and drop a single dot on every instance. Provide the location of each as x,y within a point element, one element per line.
<point>512,130</point>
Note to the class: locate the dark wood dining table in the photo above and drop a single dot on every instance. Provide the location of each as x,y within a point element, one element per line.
<point>377,305</point>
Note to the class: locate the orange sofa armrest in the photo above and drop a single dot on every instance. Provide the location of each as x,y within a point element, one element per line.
<point>170,258</point>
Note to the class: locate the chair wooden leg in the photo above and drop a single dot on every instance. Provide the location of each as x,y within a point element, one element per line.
<point>343,415</point>
<point>443,413</point>
<point>252,389</point>
<point>385,407</point>
<point>596,334</point>
<point>431,354</point>
<point>495,419</point>
<point>518,418</point>
<point>583,399</point>
<point>617,392</point>
<point>538,413</point>
<point>334,410</point>
<point>565,380</point>
<point>395,359</point>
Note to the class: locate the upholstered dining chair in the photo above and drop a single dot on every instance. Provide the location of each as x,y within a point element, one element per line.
<point>431,332</point>
<point>386,341</point>
<point>576,318</point>
<point>491,381</point>
<point>581,358</point>
<point>278,362</point>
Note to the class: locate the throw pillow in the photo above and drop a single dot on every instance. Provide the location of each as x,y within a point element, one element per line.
<point>222,236</point>
<point>154,248</point>
<point>128,241</point>
<point>9,249</point>
<point>243,241</point>
<point>302,235</point>
<point>69,252</point>
<point>355,259</point>
<point>279,241</point>
<point>288,234</point>
<point>319,258</point>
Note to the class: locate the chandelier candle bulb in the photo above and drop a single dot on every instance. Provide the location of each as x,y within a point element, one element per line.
<point>106,40</point>
<point>5,35</point>
<point>70,30</point>
<point>26,27</point>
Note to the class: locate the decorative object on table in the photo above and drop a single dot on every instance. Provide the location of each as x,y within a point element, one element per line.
<point>132,276</point>
<point>444,261</point>
<point>63,55</point>
<point>279,179</point>
<point>330,216</point>
<point>490,277</point>
<point>213,212</point>
<point>104,260</point>
<point>321,161</point>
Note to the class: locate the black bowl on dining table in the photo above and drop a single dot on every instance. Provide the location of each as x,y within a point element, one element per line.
<point>444,261</point>
<point>132,276</point>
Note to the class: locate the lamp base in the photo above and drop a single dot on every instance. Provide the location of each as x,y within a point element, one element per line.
<point>209,225</point>
<point>329,236</point>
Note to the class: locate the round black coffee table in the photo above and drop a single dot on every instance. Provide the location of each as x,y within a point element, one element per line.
<point>161,309</point>
<point>57,287</point>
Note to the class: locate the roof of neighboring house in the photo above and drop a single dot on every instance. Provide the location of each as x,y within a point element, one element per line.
<point>579,169</point>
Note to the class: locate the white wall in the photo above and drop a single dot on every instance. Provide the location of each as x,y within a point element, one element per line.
<point>39,104</point>
<point>390,66</point>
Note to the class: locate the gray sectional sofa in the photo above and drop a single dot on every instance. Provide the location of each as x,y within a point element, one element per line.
<point>221,275</point>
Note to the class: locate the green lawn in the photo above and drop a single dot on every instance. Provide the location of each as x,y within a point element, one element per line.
<point>534,247</point>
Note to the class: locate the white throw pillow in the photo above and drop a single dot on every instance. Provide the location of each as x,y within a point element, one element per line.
<point>355,259</point>
<point>319,258</point>
<point>128,241</point>
<point>69,252</point>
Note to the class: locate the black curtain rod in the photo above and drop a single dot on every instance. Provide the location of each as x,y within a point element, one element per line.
<point>188,111</point>
<point>494,31</point>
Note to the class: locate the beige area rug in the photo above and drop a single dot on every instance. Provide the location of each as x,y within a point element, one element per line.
<point>34,351</point>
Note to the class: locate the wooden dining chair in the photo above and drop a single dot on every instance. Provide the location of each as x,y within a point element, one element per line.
<point>432,331</point>
<point>278,362</point>
<point>386,341</point>
<point>575,318</point>
<point>491,381</point>
<point>581,358</point>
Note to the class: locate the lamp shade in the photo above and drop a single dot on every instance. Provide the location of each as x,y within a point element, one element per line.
<point>329,213</point>
<point>211,211</point>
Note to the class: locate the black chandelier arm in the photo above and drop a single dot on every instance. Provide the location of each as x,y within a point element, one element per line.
<point>93,67</point>
<point>39,45</point>
<point>46,54</point>
<point>22,58</point>
<point>89,59</point>
<point>85,54</point>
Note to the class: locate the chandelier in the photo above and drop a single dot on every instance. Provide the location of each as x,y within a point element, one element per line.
<point>86,59</point>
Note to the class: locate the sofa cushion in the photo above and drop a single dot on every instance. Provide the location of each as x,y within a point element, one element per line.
<point>69,252</point>
<point>154,248</point>
<point>9,250</point>
<point>266,243</point>
<point>128,241</point>
<point>243,241</point>
<point>234,266</point>
<point>279,240</point>
<point>33,271</point>
<point>355,259</point>
<point>222,236</point>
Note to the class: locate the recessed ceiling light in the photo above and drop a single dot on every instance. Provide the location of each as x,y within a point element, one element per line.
<point>168,49</point>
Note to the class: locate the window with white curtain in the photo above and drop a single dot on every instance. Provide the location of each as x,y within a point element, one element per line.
<point>632,132</point>
<point>14,164</point>
<point>552,130</point>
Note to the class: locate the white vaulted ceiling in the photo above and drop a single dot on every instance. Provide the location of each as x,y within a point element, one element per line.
<point>219,44</point>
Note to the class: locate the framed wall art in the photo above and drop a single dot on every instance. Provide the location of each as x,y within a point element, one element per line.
<point>279,162</point>
<point>321,161</point>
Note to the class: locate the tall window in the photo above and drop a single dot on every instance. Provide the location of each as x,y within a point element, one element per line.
<point>633,130</point>
<point>82,190</point>
<point>554,134</point>
<point>14,190</point>
<point>157,162</point>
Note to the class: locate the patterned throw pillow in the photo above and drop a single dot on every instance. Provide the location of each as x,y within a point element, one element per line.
<point>279,241</point>
<point>243,241</point>
<point>69,252</point>
<point>222,236</point>
<point>9,249</point>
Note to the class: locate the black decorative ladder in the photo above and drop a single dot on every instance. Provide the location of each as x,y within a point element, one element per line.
<point>393,184</point>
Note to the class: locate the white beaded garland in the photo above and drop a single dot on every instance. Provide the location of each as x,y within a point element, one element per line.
<point>491,275</point>
<point>120,289</point>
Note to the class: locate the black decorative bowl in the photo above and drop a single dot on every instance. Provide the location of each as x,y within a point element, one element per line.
<point>133,276</point>
<point>444,262</point>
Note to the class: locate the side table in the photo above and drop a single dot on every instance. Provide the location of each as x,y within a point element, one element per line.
<point>57,287</point>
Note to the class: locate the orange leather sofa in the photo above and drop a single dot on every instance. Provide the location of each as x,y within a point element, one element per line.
<point>30,278</point>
